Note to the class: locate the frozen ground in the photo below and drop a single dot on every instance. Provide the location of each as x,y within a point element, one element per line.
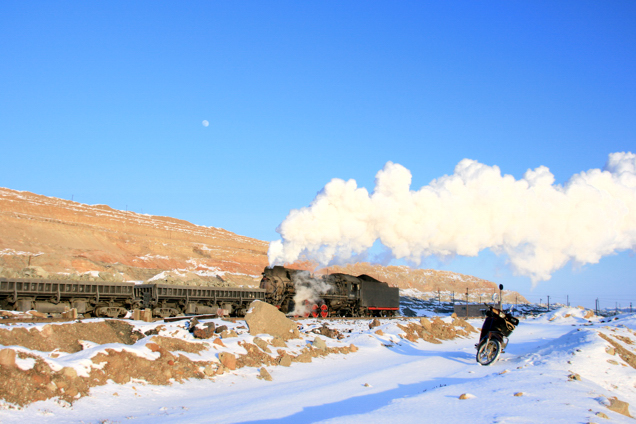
<point>392,380</point>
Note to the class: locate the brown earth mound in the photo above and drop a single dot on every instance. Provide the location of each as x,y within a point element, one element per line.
<point>21,385</point>
<point>68,337</point>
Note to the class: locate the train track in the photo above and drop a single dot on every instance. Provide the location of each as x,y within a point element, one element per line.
<point>9,321</point>
<point>38,320</point>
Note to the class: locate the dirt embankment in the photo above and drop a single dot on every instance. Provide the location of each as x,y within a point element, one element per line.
<point>65,360</point>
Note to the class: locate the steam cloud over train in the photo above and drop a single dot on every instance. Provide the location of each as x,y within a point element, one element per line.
<point>292,291</point>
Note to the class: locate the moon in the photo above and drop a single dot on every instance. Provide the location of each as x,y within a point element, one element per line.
<point>205,123</point>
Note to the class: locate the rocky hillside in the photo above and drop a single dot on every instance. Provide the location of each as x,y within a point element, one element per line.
<point>61,236</point>
<point>48,237</point>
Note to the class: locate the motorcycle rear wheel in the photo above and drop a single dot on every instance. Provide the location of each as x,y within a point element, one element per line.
<point>488,352</point>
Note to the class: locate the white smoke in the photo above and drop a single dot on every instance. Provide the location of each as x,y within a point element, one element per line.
<point>308,293</point>
<point>540,226</point>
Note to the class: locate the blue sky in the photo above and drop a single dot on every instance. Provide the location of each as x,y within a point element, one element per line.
<point>103,102</point>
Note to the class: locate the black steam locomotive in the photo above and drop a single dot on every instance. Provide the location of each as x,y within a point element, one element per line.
<point>300,293</point>
<point>292,291</point>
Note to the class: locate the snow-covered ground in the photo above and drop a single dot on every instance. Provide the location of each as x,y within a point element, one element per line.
<point>392,380</point>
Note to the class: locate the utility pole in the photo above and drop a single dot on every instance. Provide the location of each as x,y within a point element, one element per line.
<point>466,302</point>
<point>548,303</point>
<point>596,307</point>
<point>567,301</point>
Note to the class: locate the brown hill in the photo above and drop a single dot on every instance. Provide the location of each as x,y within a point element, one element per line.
<point>64,236</point>
<point>47,236</point>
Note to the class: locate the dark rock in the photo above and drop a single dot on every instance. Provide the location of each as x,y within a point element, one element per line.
<point>374,323</point>
<point>220,329</point>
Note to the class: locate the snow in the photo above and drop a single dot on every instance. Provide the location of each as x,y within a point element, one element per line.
<point>389,379</point>
<point>12,252</point>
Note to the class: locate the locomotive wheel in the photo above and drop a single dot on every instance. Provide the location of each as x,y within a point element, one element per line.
<point>488,352</point>
<point>324,310</point>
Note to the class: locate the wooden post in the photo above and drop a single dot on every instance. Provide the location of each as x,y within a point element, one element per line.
<point>70,314</point>
<point>147,315</point>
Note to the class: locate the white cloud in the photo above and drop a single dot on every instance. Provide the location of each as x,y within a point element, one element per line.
<point>540,226</point>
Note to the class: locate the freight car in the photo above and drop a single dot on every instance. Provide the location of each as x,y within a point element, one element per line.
<point>169,300</point>
<point>103,299</point>
<point>330,295</point>
<point>90,298</point>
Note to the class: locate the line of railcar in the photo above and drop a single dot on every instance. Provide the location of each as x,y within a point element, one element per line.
<point>106,299</point>
<point>341,295</point>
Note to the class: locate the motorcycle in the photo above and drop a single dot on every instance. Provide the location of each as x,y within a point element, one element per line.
<point>497,327</point>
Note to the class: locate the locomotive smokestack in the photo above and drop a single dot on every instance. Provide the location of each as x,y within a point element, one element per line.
<point>539,225</point>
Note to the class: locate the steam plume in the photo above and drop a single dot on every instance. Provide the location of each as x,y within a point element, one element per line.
<point>540,226</point>
<point>308,292</point>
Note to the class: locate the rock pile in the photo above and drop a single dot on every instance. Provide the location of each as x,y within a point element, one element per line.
<point>164,353</point>
<point>436,330</point>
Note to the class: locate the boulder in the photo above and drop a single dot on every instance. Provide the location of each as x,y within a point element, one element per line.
<point>327,332</point>
<point>264,374</point>
<point>262,344</point>
<point>220,329</point>
<point>228,360</point>
<point>203,333</point>
<point>619,406</point>
<point>285,360</point>
<point>263,318</point>
<point>319,343</point>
